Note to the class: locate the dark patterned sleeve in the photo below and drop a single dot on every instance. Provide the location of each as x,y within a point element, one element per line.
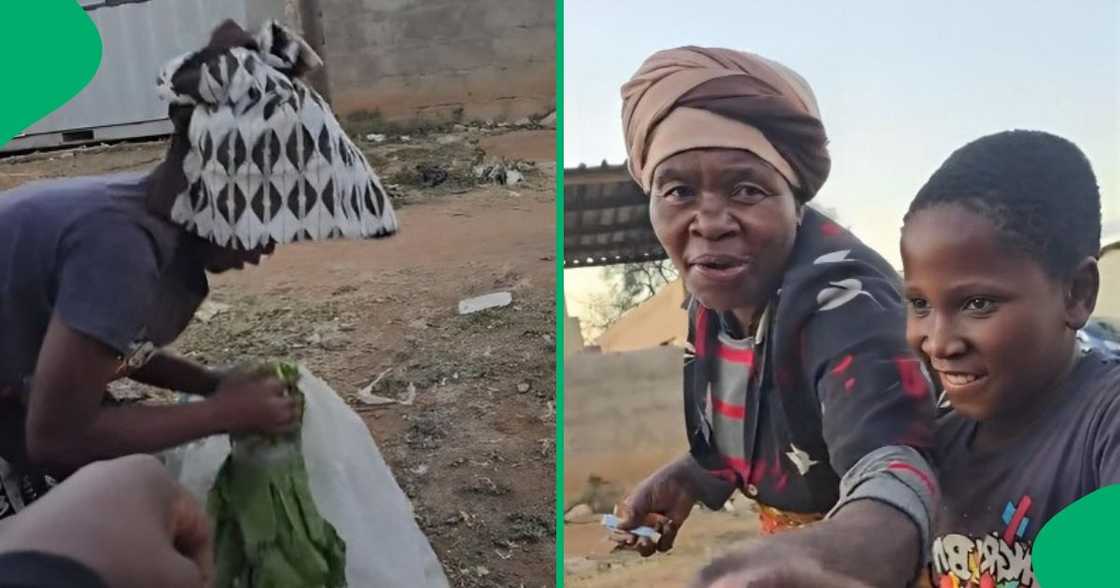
<point>872,391</point>
<point>876,402</point>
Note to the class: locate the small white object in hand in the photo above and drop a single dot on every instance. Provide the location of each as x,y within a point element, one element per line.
<point>611,522</point>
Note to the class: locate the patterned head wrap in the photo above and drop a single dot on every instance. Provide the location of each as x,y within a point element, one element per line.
<point>266,159</point>
<point>695,97</point>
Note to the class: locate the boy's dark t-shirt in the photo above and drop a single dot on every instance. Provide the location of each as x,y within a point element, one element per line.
<point>995,502</point>
<point>88,249</point>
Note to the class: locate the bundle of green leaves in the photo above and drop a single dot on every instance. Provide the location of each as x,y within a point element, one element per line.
<point>268,533</point>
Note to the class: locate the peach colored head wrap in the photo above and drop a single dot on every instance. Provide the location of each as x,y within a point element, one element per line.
<point>693,98</point>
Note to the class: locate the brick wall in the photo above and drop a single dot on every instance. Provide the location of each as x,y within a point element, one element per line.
<point>441,59</point>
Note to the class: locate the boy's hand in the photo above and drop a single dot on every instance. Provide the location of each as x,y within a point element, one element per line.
<point>789,573</point>
<point>255,402</point>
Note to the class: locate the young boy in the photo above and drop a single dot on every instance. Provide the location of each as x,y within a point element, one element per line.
<point>98,274</point>
<point>999,250</point>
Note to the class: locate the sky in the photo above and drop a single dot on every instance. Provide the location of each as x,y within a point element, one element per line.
<point>900,86</point>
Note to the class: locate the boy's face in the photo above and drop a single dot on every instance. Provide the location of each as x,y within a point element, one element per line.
<point>989,321</point>
<point>221,259</point>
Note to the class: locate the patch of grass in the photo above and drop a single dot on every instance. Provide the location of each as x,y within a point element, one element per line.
<point>529,528</point>
<point>363,122</point>
<point>487,487</point>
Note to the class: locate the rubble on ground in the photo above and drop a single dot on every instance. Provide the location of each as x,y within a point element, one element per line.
<point>504,173</point>
<point>488,301</point>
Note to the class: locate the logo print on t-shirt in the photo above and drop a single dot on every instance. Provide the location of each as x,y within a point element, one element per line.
<point>997,560</point>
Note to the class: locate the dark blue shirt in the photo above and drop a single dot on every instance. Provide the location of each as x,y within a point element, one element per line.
<point>995,501</point>
<point>90,250</point>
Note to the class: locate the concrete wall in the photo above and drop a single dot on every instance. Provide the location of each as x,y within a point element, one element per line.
<point>1108,300</point>
<point>622,416</point>
<point>657,321</point>
<point>430,59</point>
<point>257,12</point>
<point>573,336</point>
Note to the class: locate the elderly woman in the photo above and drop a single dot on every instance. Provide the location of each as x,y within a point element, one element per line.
<point>799,387</point>
<point>98,273</point>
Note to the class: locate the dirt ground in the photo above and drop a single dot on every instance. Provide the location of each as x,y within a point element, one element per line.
<point>590,563</point>
<point>475,451</point>
<point>622,421</point>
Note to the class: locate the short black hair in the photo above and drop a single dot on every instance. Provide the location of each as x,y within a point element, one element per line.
<point>1038,190</point>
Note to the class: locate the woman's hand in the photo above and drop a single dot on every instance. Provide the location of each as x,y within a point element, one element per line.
<point>662,501</point>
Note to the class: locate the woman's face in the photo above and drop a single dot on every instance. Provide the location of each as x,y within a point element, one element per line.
<point>728,221</point>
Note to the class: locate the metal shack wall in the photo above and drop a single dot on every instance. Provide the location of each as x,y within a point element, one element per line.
<point>137,38</point>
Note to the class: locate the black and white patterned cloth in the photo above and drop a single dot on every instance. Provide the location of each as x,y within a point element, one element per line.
<point>268,160</point>
<point>18,488</point>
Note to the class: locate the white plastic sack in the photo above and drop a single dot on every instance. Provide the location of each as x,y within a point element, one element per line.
<point>352,487</point>
<point>196,464</point>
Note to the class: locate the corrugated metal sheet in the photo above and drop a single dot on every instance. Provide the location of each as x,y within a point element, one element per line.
<point>138,38</point>
<point>606,218</point>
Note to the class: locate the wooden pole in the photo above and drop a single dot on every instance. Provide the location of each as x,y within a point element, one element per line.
<point>311,19</point>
